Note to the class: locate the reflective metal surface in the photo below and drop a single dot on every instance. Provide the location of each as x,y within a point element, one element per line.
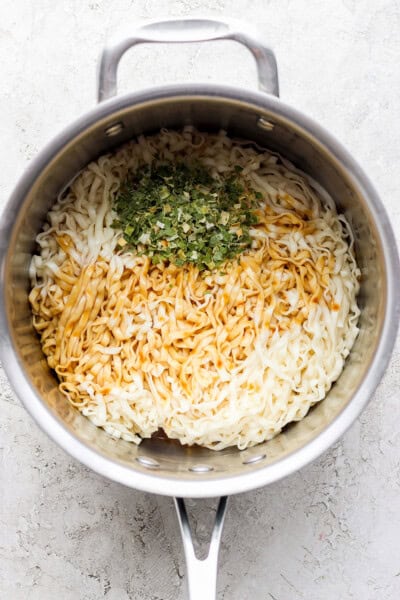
<point>160,465</point>
<point>170,469</point>
<point>201,573</point>
<point>185,31</point>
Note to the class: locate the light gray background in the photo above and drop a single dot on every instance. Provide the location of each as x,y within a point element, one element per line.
<point>331,531</point>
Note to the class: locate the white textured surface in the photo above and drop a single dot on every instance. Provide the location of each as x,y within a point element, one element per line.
<point>331,531</point>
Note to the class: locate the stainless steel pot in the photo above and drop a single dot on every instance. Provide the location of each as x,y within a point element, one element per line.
<point>158,465</point>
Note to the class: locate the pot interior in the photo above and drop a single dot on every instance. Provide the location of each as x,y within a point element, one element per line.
<point>269,126</point>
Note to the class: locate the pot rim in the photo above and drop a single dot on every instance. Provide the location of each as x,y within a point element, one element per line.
<point>201,487</point>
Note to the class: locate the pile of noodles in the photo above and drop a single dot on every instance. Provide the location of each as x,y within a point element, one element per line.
<point>214,358</point>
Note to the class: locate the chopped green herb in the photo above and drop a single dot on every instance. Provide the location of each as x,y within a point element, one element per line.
<point>180,213</point>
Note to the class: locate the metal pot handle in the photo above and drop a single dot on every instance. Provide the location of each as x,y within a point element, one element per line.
<point>188,30</point>
<point>201,574</point>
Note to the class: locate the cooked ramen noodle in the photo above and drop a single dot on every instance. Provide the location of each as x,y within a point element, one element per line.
<point>217,357</point>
